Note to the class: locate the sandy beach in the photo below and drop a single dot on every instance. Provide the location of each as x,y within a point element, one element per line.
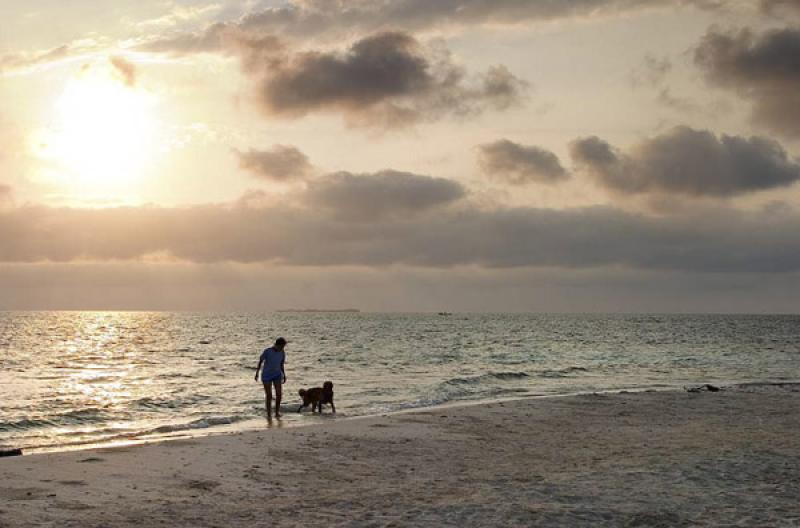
<point>728,458</point>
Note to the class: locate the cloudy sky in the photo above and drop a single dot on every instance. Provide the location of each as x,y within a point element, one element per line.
<point>401,155</point>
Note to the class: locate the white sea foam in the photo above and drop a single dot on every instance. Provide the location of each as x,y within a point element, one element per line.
<point>78,377</point>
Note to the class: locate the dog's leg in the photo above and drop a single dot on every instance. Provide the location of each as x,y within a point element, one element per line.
<point>333,407</point>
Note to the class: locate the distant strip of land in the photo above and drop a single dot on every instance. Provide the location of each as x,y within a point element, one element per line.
<point>319,310</point>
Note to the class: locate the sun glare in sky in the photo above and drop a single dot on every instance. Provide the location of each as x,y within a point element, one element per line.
<point>101,138</point>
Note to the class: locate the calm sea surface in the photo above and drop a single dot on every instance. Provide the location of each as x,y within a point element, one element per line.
<point>75,378</point>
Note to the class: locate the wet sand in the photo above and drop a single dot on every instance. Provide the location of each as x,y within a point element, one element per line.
<point>657,459</point>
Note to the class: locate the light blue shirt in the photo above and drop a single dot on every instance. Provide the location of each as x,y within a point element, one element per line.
<point>272,361</point>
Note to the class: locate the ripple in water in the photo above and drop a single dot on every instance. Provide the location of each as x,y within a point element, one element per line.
<point>69,378</point>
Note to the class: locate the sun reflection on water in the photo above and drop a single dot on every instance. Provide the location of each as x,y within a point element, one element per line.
<point>96,371</point>
<point>70,378</point>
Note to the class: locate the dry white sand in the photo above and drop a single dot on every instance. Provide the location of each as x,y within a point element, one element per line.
<point>730,458</point>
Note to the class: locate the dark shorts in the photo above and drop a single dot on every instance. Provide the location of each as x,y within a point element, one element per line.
<point>275,378</point>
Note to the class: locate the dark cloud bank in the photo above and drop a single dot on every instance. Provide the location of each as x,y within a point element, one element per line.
<point>518,164</point>
<point>391,218</point>
<point>764,68</point>
<point>387,79</point>
<point>683,161</point>
<point>280,163</point>
<point>384,195</point>
<point>688,162</point>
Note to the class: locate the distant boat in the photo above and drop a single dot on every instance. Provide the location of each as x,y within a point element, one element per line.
<point>445,313</point>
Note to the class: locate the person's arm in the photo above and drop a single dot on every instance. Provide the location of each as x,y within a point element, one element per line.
<point>283,370</point>
<point>260,361</point>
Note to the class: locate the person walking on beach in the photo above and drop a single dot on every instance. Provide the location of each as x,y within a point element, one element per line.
<point>273,374</point>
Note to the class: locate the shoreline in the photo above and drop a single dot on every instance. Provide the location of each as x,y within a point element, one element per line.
<point>251,424</point>
<point>665,458</point>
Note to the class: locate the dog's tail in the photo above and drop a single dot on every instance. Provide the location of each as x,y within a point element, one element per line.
<point>302,393</point>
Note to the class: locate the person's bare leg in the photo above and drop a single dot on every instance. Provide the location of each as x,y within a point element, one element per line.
<point>278,395</point>
<point>268,396</point>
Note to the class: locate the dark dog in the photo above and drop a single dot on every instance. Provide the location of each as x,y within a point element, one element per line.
<point>317,396</point>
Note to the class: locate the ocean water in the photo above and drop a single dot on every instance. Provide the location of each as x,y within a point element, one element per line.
<point>70,379</point>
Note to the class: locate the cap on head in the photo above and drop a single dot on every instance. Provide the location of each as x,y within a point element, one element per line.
<point>280,341</point>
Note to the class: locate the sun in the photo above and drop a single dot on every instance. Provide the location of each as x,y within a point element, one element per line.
<point>102,135</point>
